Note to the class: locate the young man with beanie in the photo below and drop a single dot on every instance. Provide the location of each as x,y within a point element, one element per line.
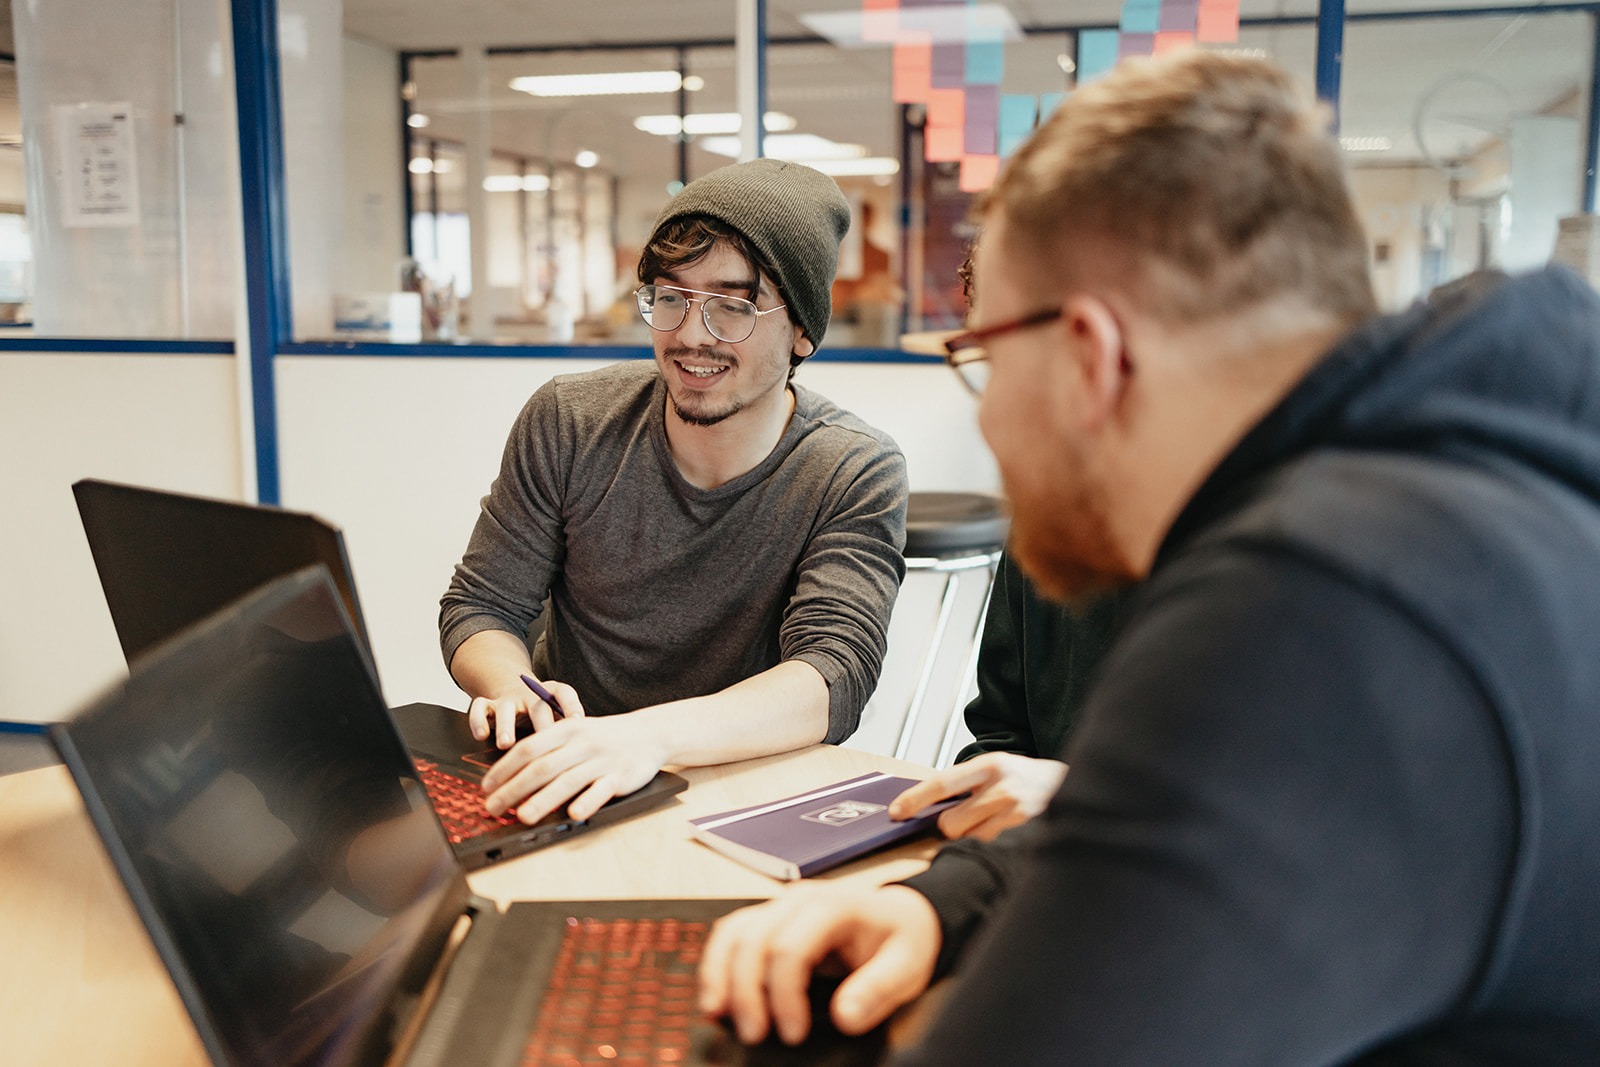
<point>713,551</point>
<point>1333,796</point>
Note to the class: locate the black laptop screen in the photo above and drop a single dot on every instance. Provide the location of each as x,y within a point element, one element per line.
<point>168,560</point>
<point>267,821</point>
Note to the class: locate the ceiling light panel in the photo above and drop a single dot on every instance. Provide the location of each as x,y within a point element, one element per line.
<point>796,147</point>
<point>946,24</point>
<point>716,122</point>
<point>616,83</point>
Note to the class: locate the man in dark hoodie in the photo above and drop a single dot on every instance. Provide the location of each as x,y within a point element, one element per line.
<point>1334,795</point>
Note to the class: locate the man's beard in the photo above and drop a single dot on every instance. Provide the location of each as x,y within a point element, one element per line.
<point>694,409</point>
<point>704,417</point>
<point>1065,545</point>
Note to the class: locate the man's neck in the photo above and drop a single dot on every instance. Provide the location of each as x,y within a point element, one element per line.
<point>709,456</point>
<point>1197,415</point>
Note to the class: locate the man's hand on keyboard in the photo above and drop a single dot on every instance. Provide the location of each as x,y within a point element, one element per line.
<point>586,761</point>
<point>759,961</point>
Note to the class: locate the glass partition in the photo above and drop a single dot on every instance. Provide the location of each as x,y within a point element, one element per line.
<point>1474,156</point>
<point>559,172</point>
<point>16,244</point>
<point>509,183</point>
<point>116,170</point>
<point>500,191</point>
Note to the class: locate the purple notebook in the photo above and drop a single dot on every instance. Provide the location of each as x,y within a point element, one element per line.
<point>816,830</point>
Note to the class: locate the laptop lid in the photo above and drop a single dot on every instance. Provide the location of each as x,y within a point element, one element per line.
<point>167,560</point>
<point>262,812</point>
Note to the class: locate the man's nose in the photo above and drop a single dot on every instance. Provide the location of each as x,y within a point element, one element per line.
<point>692,332</point>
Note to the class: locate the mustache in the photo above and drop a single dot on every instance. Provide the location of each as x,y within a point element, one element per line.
<point>703,355</point>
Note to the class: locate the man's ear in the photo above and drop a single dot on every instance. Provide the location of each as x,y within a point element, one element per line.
<point>1097,343</point>
<point>803,346</point>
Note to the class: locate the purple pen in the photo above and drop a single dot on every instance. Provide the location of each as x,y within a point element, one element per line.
<point>543,694</point>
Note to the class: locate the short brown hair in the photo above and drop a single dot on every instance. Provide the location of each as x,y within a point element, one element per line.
<point>1211,180</point>
<point>683,241</point>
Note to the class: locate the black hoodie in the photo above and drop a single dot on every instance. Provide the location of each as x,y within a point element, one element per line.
<point>1335,797</point>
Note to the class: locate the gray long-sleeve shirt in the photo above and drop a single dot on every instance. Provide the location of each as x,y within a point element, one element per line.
<point>659,590</point>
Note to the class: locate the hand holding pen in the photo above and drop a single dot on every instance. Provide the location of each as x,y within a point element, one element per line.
<point>503,720</point>
<point>544,694</point>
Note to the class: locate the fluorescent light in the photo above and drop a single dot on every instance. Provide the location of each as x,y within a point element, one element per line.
<point>797,147</point>
<point>946,24</point>
<point>614,84</point>
<point>722,146</point>
<point>866,167</point>
<point>1365,144</point>
<point>516,183</point>
<point>586,158</point>
<point>424,165</point>
<point>710,122</point>
<point>418,121</point>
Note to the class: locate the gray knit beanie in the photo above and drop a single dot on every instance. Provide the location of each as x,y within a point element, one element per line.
<point>794,215</point>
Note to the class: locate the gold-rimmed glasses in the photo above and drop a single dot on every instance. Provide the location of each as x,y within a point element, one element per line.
<point>727,318</point>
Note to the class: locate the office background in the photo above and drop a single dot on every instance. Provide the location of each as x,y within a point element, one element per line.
<point>217,318</point>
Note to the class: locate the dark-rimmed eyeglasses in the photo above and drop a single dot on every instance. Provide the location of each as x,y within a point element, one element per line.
<point>727,318</point>
<point>967,356</point>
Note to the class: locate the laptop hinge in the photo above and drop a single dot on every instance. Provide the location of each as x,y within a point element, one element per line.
<point>411,1045</point>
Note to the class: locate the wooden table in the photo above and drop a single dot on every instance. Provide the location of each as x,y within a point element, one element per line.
<point>80,982</point>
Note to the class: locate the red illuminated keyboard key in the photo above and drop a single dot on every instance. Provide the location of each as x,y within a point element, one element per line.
<point>621,992</point>
<point>459,804</point>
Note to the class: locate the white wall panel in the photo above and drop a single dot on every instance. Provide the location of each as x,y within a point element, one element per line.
<point>158,420</point>
<point>398,452</point>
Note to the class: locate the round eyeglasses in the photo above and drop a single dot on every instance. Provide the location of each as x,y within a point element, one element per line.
<point>727,318</point>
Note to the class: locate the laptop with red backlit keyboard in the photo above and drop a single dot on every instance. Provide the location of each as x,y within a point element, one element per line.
<point>277,842</point>
<point>452,762</point>
<point>645,1007</point>
<point>458,805</point>
<point>167,560</point>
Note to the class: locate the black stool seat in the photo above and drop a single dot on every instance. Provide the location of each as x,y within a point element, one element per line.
<point>943,524</point>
